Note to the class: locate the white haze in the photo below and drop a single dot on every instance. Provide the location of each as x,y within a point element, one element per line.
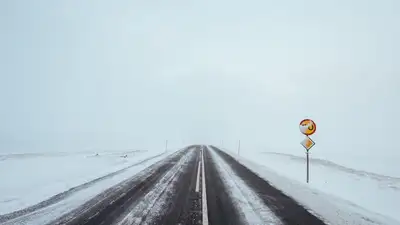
<point>78,75</point>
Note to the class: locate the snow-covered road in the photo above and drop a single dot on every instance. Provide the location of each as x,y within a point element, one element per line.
<point>195,185</point>
<point>246,201</point>
<point>170,193</point>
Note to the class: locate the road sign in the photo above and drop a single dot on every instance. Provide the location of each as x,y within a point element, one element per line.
<point>307,143</point>
<point>307,127</point>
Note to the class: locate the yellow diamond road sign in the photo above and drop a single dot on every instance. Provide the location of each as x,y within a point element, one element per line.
<point>307,143</point>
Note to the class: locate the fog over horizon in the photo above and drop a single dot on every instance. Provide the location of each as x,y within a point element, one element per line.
<point>89,75</point>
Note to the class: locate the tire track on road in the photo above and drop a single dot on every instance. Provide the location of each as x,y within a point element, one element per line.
<point>159,205</point>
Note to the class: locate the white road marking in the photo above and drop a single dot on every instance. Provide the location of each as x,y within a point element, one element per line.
<point>198,178</point>
<point>204,193</point>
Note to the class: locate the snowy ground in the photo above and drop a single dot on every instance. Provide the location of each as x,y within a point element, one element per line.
<point>28,179</point>
<point>374,163</point>
<point>340,194</point>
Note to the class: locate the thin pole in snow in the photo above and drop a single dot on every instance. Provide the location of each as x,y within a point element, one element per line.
<point>239,148</point>
<point>166,145</point>
<point>308,173</point>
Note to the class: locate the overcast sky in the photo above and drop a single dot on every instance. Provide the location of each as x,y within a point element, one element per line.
<point>78,75</point>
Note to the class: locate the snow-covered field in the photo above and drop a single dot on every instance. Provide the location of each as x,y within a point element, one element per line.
<point>340,194</point>
<point>27,179</point>
<point>375,163</point>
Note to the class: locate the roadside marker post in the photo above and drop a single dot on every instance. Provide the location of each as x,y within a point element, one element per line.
<point>308,128</point>
<point>239,148</point>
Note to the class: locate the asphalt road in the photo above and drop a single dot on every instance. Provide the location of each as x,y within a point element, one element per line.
<point>187,188</point>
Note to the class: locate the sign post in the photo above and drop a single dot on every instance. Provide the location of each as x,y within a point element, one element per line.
<point>239,148</point>
<point>308,128</point>
<point>308,170</point>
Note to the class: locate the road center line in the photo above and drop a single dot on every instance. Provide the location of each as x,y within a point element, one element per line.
<point>198,178</point>
<point>204,193</point>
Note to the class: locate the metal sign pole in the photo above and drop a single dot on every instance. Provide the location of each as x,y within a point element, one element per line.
<point>308,167</point>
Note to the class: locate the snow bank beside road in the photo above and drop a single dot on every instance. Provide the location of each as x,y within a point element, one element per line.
<point>28,179</point>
